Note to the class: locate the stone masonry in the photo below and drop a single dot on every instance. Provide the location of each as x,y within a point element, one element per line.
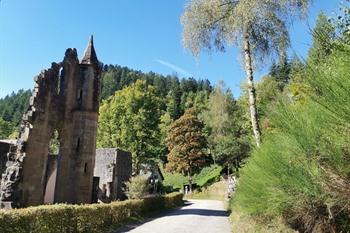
<point>4,149</point>
<point>66,99</point>
<point>113,168</point>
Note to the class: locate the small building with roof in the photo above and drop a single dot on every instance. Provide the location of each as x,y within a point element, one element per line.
<point>154,176</point>
<point>113,168</point>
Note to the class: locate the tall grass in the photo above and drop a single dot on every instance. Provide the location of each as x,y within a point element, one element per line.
<point>302,170</point>
<point>214,191</point>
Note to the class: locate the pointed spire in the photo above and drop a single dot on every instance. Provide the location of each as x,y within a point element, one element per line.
<point>90,54</point>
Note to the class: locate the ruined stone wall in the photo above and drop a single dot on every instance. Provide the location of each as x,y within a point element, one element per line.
<point>123,172</point>
<point>23,181</point>
<point>113,167</point>
<point>105,162</point>
<point>65,98</point>
<point>78,132</point>
<point>4,149</point>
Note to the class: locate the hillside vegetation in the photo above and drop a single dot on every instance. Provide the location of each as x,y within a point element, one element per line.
<point>12,108</point>
<point>301,172</point>
<point>179,93</point>
<point>207,176</point>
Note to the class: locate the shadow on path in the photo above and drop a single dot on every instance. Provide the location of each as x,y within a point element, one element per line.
<point>202,212</point>
<point>184,210</point>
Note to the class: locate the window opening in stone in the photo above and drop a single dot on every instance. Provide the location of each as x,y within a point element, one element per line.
<point>59,81</point>
<point>78,144</point>
<point>80,94</point>
<point>51,168</point>
<point>85,168</point>
<point>54,144</point>
<point>104,189</point>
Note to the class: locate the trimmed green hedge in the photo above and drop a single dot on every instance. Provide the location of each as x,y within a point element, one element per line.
<point>92,218</point>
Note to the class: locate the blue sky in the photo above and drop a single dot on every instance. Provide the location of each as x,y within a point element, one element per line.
<point>141,34</point>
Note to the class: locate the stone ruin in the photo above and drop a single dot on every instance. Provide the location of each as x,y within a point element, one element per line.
<point>65,100</point>
<point>4,149</point>
<point>113,167</point>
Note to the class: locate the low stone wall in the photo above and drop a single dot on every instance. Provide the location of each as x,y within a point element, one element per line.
<point>92,218</point>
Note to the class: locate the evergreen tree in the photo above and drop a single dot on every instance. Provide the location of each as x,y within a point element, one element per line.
<point>177,95</point>
<point>174,99</point>
<point>12,108</point>
<point>5,129</point>
<point>281,72</point>
<point>323,37</point>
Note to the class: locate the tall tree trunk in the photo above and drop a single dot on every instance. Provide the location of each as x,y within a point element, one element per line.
<point>236,164</point>
<point>251,90</point>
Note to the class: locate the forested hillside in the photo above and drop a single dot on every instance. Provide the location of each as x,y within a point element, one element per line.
<point>138,118</point>
<point>178,92</point>
<point>12,108</point>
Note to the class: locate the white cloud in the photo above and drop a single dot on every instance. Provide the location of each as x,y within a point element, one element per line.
<point>174,67</point>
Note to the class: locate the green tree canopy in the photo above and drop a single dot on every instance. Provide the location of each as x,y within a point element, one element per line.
<point>323,38</point>
<point>223,119</point>
<point>130,120</point>
<point>14,105</point>
<point>259,27</point>
<point>186,144</point>
<point>5,129</point>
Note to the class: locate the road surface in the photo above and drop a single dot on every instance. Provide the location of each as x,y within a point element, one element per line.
<point>197,216</point>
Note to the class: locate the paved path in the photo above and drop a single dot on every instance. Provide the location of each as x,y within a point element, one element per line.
<point>198,216</point>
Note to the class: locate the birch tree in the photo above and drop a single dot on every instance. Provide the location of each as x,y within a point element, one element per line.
<point>257,27</point>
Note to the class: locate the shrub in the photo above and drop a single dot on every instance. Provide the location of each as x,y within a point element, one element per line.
<point>301,171</point>
<point>92,218</point>
<point>208,175</point>
<point>137,187</point>
<point>174,180</point>
<point>205,177</point>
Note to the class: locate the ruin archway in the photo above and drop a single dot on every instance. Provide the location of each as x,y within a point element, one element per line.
<point>51,169</point>
<point>27,180</point>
